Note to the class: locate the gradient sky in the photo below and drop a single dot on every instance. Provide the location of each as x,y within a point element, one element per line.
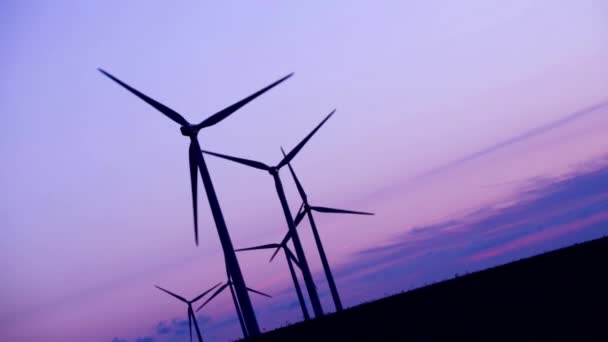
<point>474,129</point>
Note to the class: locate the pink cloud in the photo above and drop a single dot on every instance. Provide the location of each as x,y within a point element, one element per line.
<point>538,237</point>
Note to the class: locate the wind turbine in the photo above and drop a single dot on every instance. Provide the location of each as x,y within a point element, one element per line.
<point>191,316</point>
<point>239,313</point>
<point>237,307</point>
<point>307,209</point>
<point>198,162</point>
<point>229,284</point>
<point>274,171</point>
<point>291,259</point>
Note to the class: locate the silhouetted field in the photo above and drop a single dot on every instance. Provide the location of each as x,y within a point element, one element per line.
<point>559,295</point>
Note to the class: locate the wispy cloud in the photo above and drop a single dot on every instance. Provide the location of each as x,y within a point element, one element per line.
<point>516,139</point>
<point>173,330</point>
<point>542,216</point>
<point>521,138</point>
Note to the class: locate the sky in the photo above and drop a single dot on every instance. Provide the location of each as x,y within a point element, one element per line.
<point>474,130</point>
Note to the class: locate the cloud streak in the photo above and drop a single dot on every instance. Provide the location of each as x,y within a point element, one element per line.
<point>514,140</point>
<point>543,215</point>
<point>173,330</point>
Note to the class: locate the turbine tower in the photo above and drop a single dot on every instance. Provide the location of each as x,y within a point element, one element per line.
<point>191,317</point>
<point>291,259</point>
<point>307,209</point>
<point>274,171</point>
<point>198,162</point>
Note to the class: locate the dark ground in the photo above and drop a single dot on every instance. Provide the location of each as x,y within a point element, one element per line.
<point>561,295</point>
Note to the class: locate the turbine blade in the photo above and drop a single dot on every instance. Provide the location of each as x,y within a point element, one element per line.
<point>193,158</point>
<point>170,113</point>
<point>218,291</point>
<point>228,275</point>
<point>291,256</point>
<point>338,211</point>
<point>298,147</point>
<point>204,293</point>
<point>281,245</point>
<point>172,294</point>
<point>286,239</point>
<point>259,292</point>
<point>190,322</point>
<point>224,113</point>
<point>268,246</point>
<point>276,251</point>
<point>295,179</point>
<point>299,218</point>
<point>251,163</point>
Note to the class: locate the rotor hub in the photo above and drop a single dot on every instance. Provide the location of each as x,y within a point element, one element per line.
<point>189,131</point>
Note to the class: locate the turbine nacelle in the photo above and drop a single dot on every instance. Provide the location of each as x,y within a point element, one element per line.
<point>189,131</point>
<point>273,170</point>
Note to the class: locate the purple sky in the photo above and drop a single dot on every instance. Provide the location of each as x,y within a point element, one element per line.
<point>506,102</point>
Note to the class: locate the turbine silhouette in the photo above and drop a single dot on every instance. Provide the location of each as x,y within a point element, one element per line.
<point>236,304</point>
<point>229,285</point>
<point>274,171</point>
<point>291,259</point>
<point>237,307</point>
<point>197,161</point>
<point>191,317</point>
<point>307,209</point>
